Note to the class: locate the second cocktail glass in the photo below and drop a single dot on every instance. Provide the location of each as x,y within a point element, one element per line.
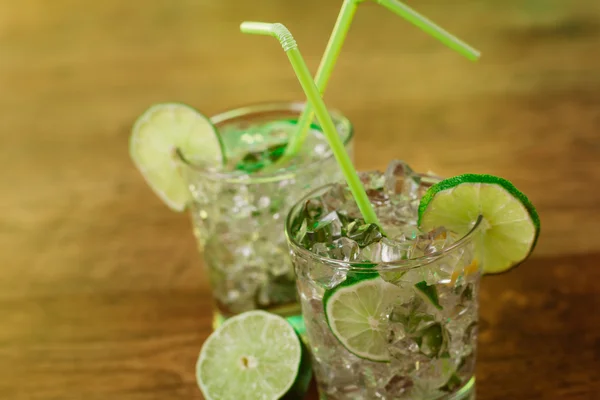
<point>238,211</point>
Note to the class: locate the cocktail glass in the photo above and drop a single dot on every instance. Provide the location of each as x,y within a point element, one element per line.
<point>238,211</point>
<point>418,291</point>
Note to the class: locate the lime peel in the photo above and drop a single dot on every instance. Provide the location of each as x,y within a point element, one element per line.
<point>361,328</point>
<point>254,355</point>
<point>158,138</point>
<point>510,225</point>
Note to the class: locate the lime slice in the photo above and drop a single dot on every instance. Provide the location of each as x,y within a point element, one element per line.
<point>356,312</point>
<point>510,225</point>
<point>156,137</point>
<point>252,356</point>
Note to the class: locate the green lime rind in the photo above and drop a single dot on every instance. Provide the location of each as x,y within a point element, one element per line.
<point>162,134</point>
<point>351,280</point>
<point>479,178</point>
<point>254,355</point>
<point>461,223</point>
<point>349,319</point>
<point>305,373</point>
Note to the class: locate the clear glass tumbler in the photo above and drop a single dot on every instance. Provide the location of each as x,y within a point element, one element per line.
<point>426,313</point>
<point>238,217</point>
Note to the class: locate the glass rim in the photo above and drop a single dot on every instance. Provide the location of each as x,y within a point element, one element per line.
<point>279,175</point>
<point>386,266</point>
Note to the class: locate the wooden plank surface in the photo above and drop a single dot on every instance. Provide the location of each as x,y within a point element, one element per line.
<point>101,289</point>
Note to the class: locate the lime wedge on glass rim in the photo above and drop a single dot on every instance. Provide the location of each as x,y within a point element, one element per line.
<point>356,309</point>
<point>253,356</point>
<point>157,136</point>
<point>510,224</point>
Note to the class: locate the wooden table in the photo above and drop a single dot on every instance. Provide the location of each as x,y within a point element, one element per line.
<point>101,290</point>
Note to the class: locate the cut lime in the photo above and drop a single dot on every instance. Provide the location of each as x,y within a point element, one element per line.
<point>510,224</point>
<point>356,311</point>
<point>156,137</point>
<point>252,356</point>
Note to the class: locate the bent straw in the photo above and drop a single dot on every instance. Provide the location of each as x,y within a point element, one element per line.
<point>326,65</point>
<point>289,45</point>
<point>334,46</point>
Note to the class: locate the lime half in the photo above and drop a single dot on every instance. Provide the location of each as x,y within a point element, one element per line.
<point>156,137</point>
<point>252,356</point>
<point>510,224</point>
<point>356,311</point>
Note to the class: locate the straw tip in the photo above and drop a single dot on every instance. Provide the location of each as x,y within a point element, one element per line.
<point>475,55</point>
<point>244,26</point>
<point>255,27</point>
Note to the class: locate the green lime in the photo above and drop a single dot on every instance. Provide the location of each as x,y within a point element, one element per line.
<point>510,225</point>
<point>157,136</point>
<point>305,374</point>
<point>252,356</point>
<point>356,312</point>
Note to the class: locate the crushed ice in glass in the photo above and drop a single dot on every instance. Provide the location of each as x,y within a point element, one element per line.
<point>431,323</point>
<point>394,195</point>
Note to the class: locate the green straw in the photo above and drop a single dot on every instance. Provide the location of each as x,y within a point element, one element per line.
<point>334,46</point>
<point>289,45</point>
<point>328,61</point>
<point>430,27</point>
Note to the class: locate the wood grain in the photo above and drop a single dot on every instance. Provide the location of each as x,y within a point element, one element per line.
<point>101,289</point>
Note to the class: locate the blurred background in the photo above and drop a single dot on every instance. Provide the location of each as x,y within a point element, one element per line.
<point>92,262</point>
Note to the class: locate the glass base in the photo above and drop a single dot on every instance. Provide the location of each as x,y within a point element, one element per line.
<point>291,312</point>
<point>467,392</point>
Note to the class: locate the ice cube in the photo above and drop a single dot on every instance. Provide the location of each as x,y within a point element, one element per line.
<point>337,197</point>
<point>320,249</point>
<point>397,386</point>
<point>457,299</point>
<point>411,314</point>
<point>400,179</point>
<point>378,197</point>
<point>406,356</point>
<point>395,251</point>
<point>406,233</point>
<point>338,277</point>
<point>314,208</point>
<point>432,376</point>
<point>372,180</point>
<point>397,331</point>
<point>433,340</point>
<point>431,274</point>
<point>470,337</point>
<point>327,229</point>
<point>373,376</point>
<point>345,249</point>
<point>326,276</point>
<point>432,242</point>
<point>365,234</point>
<point>371,252</point>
